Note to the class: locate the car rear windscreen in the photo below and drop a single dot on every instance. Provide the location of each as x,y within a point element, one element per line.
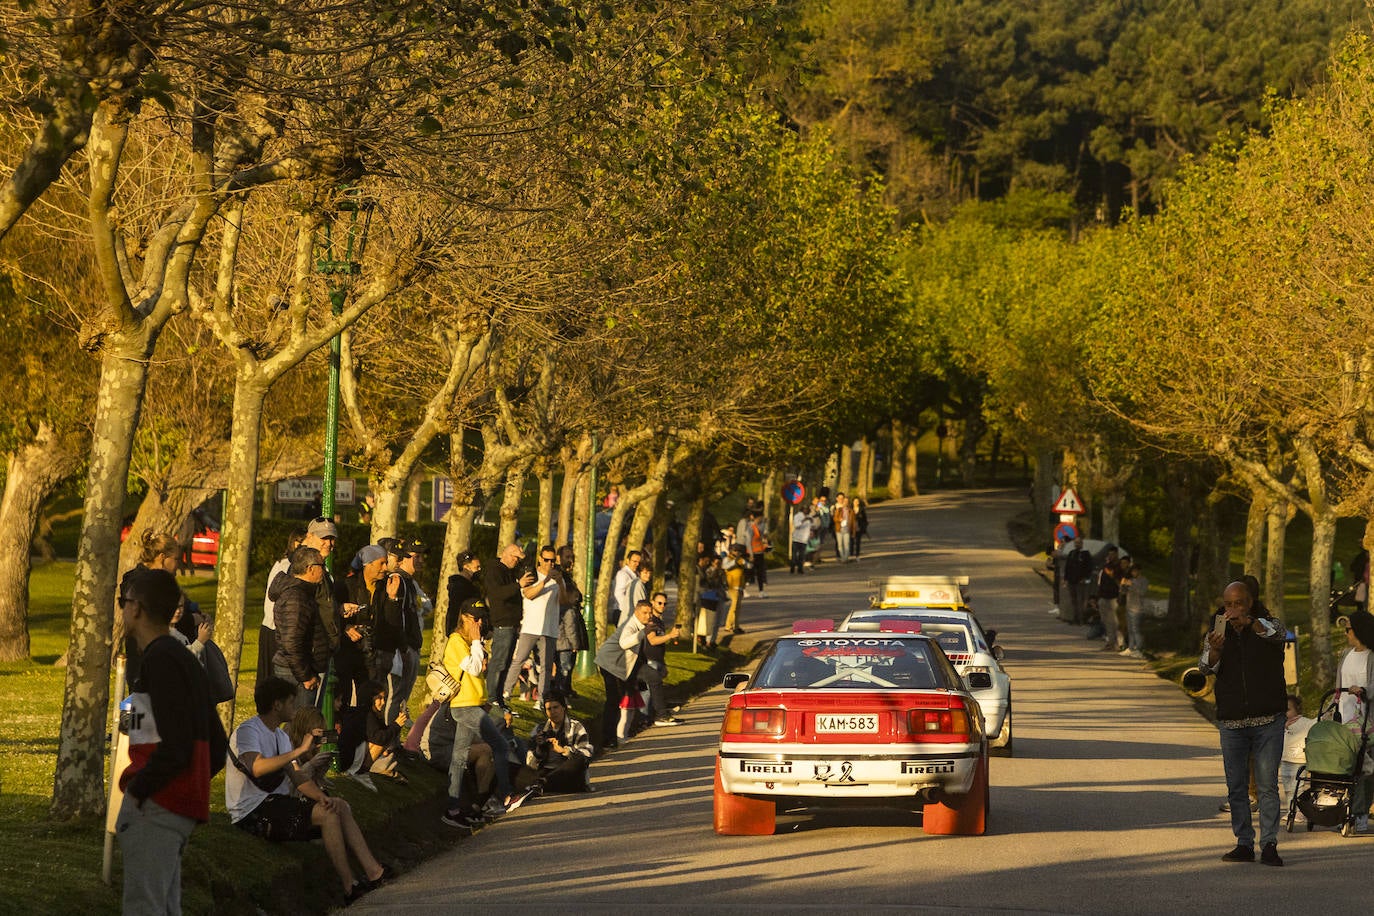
<point>952,635</point>
<point>857,662</point>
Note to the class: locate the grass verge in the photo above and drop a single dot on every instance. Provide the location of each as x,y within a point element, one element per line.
<point>49,869</point>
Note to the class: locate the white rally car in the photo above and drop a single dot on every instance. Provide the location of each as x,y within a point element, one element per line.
<point>865,719</point>
<point>978,659</point>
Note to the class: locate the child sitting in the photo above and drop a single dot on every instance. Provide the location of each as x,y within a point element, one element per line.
<point>1295,729</point>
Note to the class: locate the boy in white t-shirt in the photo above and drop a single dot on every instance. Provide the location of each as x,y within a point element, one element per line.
<point>258,781</point>
<point>1295,729</point>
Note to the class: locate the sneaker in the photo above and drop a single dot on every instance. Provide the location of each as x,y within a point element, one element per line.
<point>761,594</point>
<point>493,808</point>
<point>1225,807</point>
<point>1362,824</point>
<point>668,720</point>
<point>1124,652</point>
<point>1270,855</point>
<point>737,630</point>
<point>458,821</point>
<point>1246,854</point>
<point>515,801</point>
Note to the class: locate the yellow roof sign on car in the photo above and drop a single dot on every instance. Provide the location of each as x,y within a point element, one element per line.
<point>927,591</point>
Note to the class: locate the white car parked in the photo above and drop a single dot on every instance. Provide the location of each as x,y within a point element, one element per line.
<point>972,650</point>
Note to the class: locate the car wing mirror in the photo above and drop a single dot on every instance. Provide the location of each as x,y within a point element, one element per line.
<point>997,653</point>
<point>979,680</point>
<point>735,680</point>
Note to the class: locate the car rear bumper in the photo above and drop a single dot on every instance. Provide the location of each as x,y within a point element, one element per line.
<point>848,771</point>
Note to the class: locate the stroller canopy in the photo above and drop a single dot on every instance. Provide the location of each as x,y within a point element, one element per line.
<point>1331,748</point>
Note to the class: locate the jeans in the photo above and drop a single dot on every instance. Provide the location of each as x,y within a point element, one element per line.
<point>305,698</point>
<point>151,839</point>
<point>523,647</point>
<point>1078,600</point>
<point>1262,744</point>
<point>500,750</point>
<point>842,545</point>
<point>1133,637</point>
<point>567,660</point>
<point>1288,784</point>
<point>798,556</point>
<point>398,688</point>
<point>467,721</point>
<point>653,679</point>
<point>759,571</point>
<point>502,646</point>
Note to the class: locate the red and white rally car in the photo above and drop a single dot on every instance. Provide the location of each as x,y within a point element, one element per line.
<point>852,719</point>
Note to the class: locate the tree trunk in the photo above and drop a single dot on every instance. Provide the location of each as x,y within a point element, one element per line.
<point>236,534</point>
<point>1319,582</point>
<point>545,532</point>
<point>567,498</point>
<point>865,468</point>
<point>909,485</point>
<point>510,503</point>
<point>974,428</point>
<point>31,474</point>
<point>1255,517</point>
<point>896,471</point>
<point>385,490</point>
<point>266,501</point>
<point>457,538</point>
<point>610,562</point>
<point>1178,487</point>
<point>414,491</point>
<point>78,781</point>
<point>832,473</point>
<point>846,466</point>
<point>687,564</point>
<point>658,548</point>
<point>1111,501</point>
<point>1047,470</point>
<point>1217,530</point>
<point>1276,517</point>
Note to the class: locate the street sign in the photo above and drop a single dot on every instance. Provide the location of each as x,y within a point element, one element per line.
<point>306,490</point>
<point>1065,531</point>
<point>1069,503</point>
<point>793,492</point>
<point>443,497</point>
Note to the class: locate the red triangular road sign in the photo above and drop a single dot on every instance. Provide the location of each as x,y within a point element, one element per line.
<point>1069,503</point>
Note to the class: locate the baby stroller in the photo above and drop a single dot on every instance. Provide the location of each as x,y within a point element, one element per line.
<point>1335,760</point>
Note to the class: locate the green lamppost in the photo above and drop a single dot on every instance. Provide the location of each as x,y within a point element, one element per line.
<point>585,664</point>
<point>338,259</point>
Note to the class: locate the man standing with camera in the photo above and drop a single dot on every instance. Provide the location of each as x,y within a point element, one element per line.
<point>1245,652</point>
<point>505,580</point>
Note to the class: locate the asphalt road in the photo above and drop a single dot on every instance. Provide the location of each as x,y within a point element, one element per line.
<point>1109,806</point>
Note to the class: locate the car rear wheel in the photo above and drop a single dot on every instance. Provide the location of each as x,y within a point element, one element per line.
<point>961,815</point>
<point>1002,746</point>
<point>736,815</point>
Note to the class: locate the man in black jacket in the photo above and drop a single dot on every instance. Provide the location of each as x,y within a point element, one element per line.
<point>1245,652</point>
<point>1078,571</point>
<point>462,588</point>
<point>302,639</point>
<point>504,580</point>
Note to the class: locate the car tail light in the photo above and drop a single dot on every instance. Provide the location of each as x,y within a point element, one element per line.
<point>764,722</point>
<point>938,725</point>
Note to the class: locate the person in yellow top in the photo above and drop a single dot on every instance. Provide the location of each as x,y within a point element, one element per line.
<point>465,659</point>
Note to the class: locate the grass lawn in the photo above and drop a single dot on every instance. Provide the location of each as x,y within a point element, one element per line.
<point>54,869</point>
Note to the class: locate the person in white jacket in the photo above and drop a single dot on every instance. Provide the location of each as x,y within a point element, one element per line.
<point>618,658</point>
<point>539,622</point>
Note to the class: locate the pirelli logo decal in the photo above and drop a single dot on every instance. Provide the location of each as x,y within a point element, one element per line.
<point>766,768</point>
<point>927,767</point>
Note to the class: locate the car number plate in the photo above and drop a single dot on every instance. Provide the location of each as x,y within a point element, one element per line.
<point>829,723</point>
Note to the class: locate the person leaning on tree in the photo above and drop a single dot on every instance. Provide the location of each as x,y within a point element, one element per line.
<point>1244,649</point>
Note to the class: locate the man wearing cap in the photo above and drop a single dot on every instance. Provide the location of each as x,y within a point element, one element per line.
<point>462,587</point>
<point>504,579</point>
<point>322,534</point>
<point>1244,649</point>
<point>408,555</point>
<point>302,655</point>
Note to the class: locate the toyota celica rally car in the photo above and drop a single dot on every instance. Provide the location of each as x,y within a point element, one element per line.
<point>852,719</point>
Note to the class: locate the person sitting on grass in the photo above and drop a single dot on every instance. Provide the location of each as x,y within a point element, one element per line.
<point>263,767</point>
<point>383,738</point>
<point>560,749</point>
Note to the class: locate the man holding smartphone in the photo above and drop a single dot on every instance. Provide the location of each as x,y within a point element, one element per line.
<point>1244,649</point>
